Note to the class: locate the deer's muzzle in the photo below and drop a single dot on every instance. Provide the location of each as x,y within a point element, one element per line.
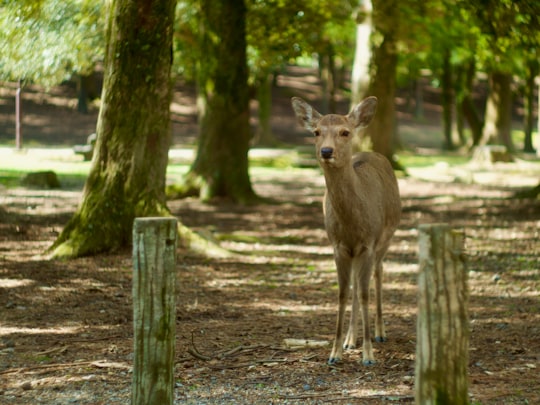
<point>326,153</point>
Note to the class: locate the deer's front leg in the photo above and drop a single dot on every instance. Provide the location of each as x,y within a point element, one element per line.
<point>343,265</point>
<point>365,269</point>
<point>352,334</point>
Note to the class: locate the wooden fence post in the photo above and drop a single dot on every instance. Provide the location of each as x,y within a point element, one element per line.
<point>154,311</point>
<point>443,322</point>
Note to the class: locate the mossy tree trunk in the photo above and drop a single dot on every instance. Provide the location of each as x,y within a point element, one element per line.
<point>220,168</point>
<point>466,73</point>
<point>127,177</point>
<point>382,129</point>
<point>265,136</point>
<point>498,119</point>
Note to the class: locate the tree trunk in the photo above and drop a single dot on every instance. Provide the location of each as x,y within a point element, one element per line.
<point>327,72</point>
<point>498,120</point>
<point>18,117</point>
<point>383,81</point>
<point>220,168</point>
<point>447,100</point>
<point>362,54</point>
<point>127,177</point>
<point>265,136</point>
<point>443,323</point>
<point>533,67</point>
<point>465,102</point>
<point>418,99</point>
<point>82,94</point>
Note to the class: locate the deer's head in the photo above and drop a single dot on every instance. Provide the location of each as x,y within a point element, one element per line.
<point>334,132</point>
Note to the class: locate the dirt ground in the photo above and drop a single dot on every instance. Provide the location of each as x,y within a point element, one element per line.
<point>66,326</point>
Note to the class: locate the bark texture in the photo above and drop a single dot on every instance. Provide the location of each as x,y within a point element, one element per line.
<point>443,322</point>
<point>382,129</point>
<point>498,121</point>
<point>154,310</point>
<point>127,177</point>
<point>221,165</point>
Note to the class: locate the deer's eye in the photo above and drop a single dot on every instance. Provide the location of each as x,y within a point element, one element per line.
<point>344,133</point>
<point>317,132</point>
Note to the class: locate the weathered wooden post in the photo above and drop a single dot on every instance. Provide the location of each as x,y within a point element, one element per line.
<point>154,312</point>
<point>443,322</point>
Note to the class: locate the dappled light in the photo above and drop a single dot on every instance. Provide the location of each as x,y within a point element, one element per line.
<point>265,275</point>
<point>280,284</point>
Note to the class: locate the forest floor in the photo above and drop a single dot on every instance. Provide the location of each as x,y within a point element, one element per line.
<point>66,326</point>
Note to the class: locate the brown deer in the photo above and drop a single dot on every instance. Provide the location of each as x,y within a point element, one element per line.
<point>362,209</point>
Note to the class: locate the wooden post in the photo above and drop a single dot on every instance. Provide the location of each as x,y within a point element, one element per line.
<point>443,322</point>
<point>154,312</point>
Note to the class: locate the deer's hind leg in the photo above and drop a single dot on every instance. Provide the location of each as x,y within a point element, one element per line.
<point>380,332</point>
<point>364,267</point>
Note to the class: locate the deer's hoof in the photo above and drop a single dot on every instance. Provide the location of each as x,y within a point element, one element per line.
<point>369,362</point>
<point>380,339</point>
<point>332,361</point>
<point>349,347</point>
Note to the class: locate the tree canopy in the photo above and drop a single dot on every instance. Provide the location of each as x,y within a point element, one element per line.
<point>46,41</point>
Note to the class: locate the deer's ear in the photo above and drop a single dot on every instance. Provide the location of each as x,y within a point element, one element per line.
<point>306,115</point>
<point>362,114</point>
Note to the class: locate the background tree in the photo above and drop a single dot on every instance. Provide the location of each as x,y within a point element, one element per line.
<point>127,177</point>
<point>362,55</point>
<point>386,23</point>
<point>509,40</point>
<point>220,168</point>
<point>277,32</point>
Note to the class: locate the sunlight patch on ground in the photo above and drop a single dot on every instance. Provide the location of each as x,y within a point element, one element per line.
<point>12,283</point>
<point>400,268</point>
<point>287,307</point>
<point>260,247</point>
<point>60,330</point>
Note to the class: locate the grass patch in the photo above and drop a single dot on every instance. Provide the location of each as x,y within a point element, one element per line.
<point>412,160</point>
<point>11,178</point>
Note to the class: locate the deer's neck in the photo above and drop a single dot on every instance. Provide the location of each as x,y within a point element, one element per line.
<point>341,189</point>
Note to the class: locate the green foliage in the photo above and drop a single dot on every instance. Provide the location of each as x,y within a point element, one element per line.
<point>280,30</point>
<point>277,31</point>
<point>46,41</point>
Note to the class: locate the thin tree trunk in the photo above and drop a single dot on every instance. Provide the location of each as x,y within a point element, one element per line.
<point>18,117</point>
<point>447,100</point>
<point>127,177</point>
<point>418,99</point>
<point>264,96</point>
<point>533,67</point>
<point>82,95</point>
<point>221,165</point>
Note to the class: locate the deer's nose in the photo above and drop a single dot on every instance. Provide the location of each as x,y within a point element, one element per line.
<point>326,153</point>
